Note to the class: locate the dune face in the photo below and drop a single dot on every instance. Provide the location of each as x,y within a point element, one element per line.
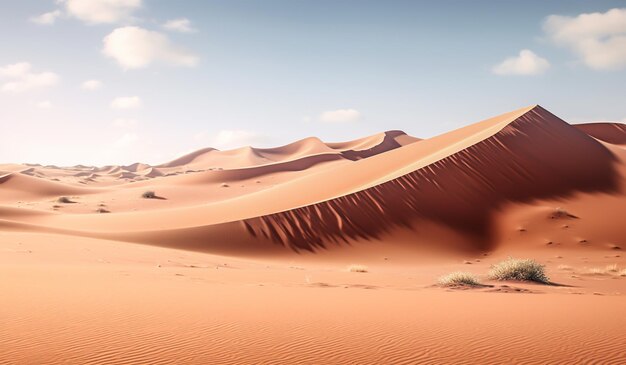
<point>614,133</point>
<point>242,256</point>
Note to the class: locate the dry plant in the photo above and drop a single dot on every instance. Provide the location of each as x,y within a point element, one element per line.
<point>519,269</point>
<point>148,194</point>
<point>458,278</point>
<point>357,268</point>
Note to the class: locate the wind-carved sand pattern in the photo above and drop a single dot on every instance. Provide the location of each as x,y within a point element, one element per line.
<point>318,252</point>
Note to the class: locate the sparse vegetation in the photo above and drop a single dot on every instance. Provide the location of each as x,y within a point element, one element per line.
<point>64,200</point>
<point>357,268</point>
<point>519,269</point>
<point>596,271</point>
<point>606,270</point>
<point>102,210</point>
<point>458,278</point>
<point>148,194</point>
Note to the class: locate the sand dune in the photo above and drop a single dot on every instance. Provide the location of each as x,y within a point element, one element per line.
<point>458,181</point>
<point>241,256</point>
<point>614,133</point>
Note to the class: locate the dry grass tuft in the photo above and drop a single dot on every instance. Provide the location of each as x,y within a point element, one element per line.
<point>607,270</point>
<point>519,269</point>
<point>357,268</point>
<point>148,194</point>
<point>458,278</point>
<point>596,271</point>
<point>64,200</point>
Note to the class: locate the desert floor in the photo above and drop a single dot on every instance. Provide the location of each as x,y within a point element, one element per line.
<point>79,301</point>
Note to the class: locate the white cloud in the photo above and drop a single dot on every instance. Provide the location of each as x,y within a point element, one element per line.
<point>526,63</point>
<point>340,116</point>
<point>91,85</point>
<point>126,102</point>
<point>127,123</point>
<point>46,18</point>
<point>134,47</point>
<point>227,139</point>
<point>18,77</point>
<point>102,11</point>
<point>182,25</point>
<point>599,39</point>
<point>44,104</point>
<point>124,141</point>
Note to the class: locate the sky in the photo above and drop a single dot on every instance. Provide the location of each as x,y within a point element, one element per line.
<point>103,82</point>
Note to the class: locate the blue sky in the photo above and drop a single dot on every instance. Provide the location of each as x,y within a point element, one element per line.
<point>230,73</point>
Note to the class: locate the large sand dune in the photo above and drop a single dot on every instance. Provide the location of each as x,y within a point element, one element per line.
<point>230,232</point>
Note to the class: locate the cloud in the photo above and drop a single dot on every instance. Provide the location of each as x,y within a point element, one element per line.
<point>126,102</point>
<point>18,77</point>
<point>526,63</point>
<point>127,123</point>
<point>101,11</point>
<point>228,139</point>
<point>124,141</point>
<point>134,47</point>
<point>46,18</point>
<point>91,85</point>
<point>599,39</point>
<point>340,116</point>
<point>44,104</point>
<point>182,25</point>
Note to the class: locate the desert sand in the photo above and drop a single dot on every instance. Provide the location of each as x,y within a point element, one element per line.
<point>243,256</point>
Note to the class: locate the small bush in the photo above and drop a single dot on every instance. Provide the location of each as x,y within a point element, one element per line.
<point>64,200</point>
<point>148,194</point>
<point>357,268</point>
<point>458,278</point>
<point>518,269</point>
<point>102,210</point>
